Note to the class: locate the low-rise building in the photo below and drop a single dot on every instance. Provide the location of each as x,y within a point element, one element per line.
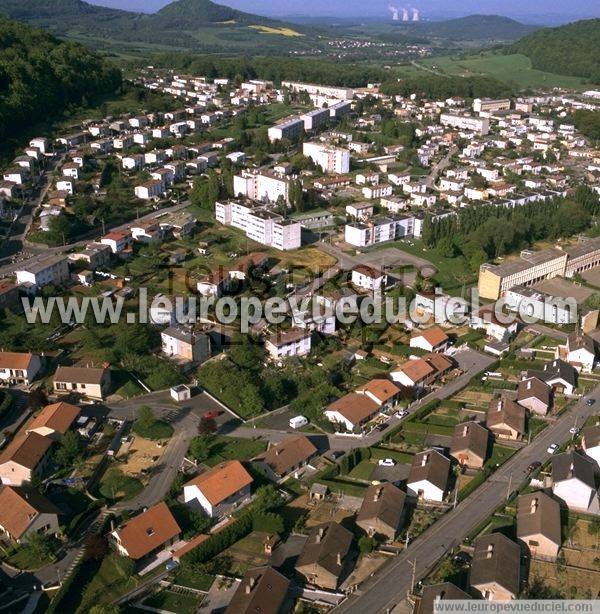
<point>538,525</point>
<point>286,457</point>
<point>149,533</point>
<point>186,344</point>
<point>591,443</point>
<point>220,489</point>
<point>495,569</point>
<point>506,419</point>
<point>535,395</point>
<point>23,511</point>
<point>261,591</point>
<point>382,510</point>
<point>352,411</point>
<point>53,270</point>
<point>26,456</point>
<point>89,382</point>
<point>293,342</point>
<point>368,278</point>
<point>54,420</point>
<point>573,481</point>
<point>433,339</point>
<point>428,477</point>
<point>470,444</point>
<point>432,594</point>
<point>559,375</point>
<point>18,368</point>
<point>326,555</point>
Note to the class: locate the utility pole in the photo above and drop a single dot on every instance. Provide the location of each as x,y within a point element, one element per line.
<point>414,573</point>
<point>509,486</point>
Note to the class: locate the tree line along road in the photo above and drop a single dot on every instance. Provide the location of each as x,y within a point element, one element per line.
<point>393,582</point>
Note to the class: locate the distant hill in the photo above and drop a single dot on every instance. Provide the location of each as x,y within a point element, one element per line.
<point>473,27</point>
<point>199,25</point>
<point>573,49</point>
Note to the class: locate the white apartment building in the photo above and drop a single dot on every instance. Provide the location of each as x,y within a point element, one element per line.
<point>487,105</point>
<point>52,270</point>
<point>339,93</point>
<point>260,225</point>
<point>261,187</point>
<point>149,190</point>
<point>289,129</point>
<point>480,125</point>
<point>378,230</point>
<point>330,159</point>
<point>316,119</point>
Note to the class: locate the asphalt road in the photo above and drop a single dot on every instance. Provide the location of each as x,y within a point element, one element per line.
<point>391,585</point>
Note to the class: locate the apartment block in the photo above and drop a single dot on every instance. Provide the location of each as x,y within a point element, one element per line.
<point>480,125</point>
<point>289,129</point>
<point>330,159</point>
<point>261,187</point>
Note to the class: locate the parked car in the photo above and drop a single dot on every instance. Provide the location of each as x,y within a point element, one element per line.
<point>171,565</point>
<point>590,402</point>
<point>382,426</point>
<point>574,430</point>
<point>402,414</point>
<point>535,465</point>
<point>552,448</point>
<point>211,415</point>
<point>386,462</point>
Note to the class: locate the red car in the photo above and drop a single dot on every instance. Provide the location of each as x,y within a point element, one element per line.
<point>211,415</point>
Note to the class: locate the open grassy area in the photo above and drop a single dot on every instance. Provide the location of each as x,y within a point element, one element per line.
<point>117,486</point>
<point>155,431</point>
<point>280,31</point>
<point>230,448</point>
<point>173,602</point>
<point>514,69</point>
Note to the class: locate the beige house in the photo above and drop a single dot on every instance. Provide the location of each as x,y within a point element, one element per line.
<point>495,569</point>
<point>326,555</point>
<point>469,444</point>
<point>382,510</point>
<point>92,383</point>
<point>535,395</point>
<point>435,593</point>
<point>24,511</point>
<point>27,455</point>
<point>506,419</point>
<point>54,420</point>
<point>184,343</point>
<point>286,457</point>
<point>538,525</point>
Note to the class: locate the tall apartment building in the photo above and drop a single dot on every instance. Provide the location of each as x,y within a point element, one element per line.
<point>289,129</point>
<point>339,93</point>
<point>261,187</point>
<point>339,109</point>
<point>313,120</point>
<point>487,105</point>
<point>260,224</point>
<point>583,257</point>
<point>480,125</point>
<point>330,159</point>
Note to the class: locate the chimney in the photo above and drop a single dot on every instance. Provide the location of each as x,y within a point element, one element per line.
<point>339,559</point>
<point>320,534</point>
<point>377,494</point>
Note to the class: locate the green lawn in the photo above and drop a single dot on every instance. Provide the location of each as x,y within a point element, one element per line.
<point>155,431</point>
<point>514,69</point>
<point>500,454</point>
<point>363,470</point>
<point>231,448</point>
<point>173,602</point>
<point>28,559</point>
<point>117,486</point>
<point>187,577</point>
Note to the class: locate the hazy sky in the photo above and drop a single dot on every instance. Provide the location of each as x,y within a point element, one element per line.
<point>536,9</point>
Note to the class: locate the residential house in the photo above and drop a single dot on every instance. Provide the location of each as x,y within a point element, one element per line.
<point>469,444</point>
<point>26,456</point>
<point>149,533</point>
<point>538,525</point>
<point>428,477</point>
<point>579,351</point>
<point>434,593</point>
<point>382,510</point>
<point>431,340</point>
<point>118,241</point>
<point>535,395</point>
<point>186,344</point>
<point>23,511</point>
<point>506,419</point>
<point>51,270</point>
<point>149,190</point>
<point>219,489</point>
<point>54,420</point>
<point>573,481</point>
<point>286,457</point>
<point>485,319</point>
<point>591,443</point>
<point>95,254</point>
<point>293,342</point>
<point>559,375</point>
<point>18,368</point>
<point>89,382</point>
<point>261,591</point>
<point>423,371</point>
<point>326,555</point>
<point>352,411</point>
<point>368,278</point>
<point>382,391</point>
<point>495,569</point>
<point>9,296</point>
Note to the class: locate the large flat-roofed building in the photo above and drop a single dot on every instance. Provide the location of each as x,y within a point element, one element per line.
<point>289,129</point>
<point>340,93</point>
<point>260,224</point>
<point>480,125</point>
<point>487,105</point>
<point>313,120</point>
<point>533,267</point>
<point>530,268</point>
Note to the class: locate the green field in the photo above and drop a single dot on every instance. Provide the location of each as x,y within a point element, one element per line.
<point>508,68</point>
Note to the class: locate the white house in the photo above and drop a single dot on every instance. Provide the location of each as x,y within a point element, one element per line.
<point>428,477</point>
<point>579,351</point>
<point>368,278</point>
<point>18,368</point>
<point>573,481</point>
<point>293,342</point>
<point>149,190</point>
<point>117,241</point>
<point>220,489</point>
<point>591,443</point>
<point>433,339</point>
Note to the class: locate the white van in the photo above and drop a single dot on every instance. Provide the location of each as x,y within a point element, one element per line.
<point>298,422</point>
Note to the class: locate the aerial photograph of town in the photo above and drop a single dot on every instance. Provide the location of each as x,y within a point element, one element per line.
<point>299,306</point>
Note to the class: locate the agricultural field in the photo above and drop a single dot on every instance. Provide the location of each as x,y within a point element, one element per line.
<point>280,31</point>
<point>514,69</point>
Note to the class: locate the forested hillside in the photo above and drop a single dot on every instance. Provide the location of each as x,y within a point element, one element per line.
<point>573,49</point>
<point>442,86</point>
<point>41,76</point>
